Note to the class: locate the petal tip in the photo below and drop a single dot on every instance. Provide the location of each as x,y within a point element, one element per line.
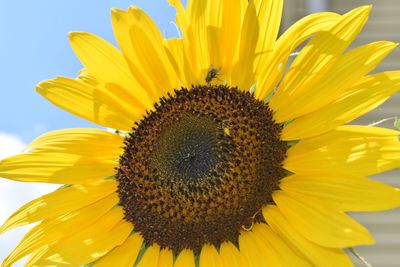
<point>72,35</point>
<point>117,13</point>
<point>366,8</point>
<point>133,9</point>
<point>390,45</point>
<point>76,34</point>
<point>363,10</point>
<point>4,228</point>
<point>40,87</point>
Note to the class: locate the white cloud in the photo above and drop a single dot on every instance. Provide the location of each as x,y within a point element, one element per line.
<point>14,194</point>
<point>10,145</point>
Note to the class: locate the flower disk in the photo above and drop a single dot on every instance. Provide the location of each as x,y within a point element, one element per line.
<point>200,167</point>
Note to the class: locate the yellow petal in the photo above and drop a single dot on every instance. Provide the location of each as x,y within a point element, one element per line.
<point>67,156</point>
<point>277,248</point>
<point>271,249</point>
<point>35,256</point>
<point>223,38</point>
<point>107,106</point>
<point>347,70</point>
<point>121,28</point>
<point>150,57</point>
<point>92,242</point>
<point>185,259</point>
<point>231,22</point>
<point>55,168</point>
<point>209,257</point>
<point>274,66</point>
<point>254,254</point>
<point>320,222</point>
<point>106,63</point>
<point>349,193</point>
<point>150,257</point>
<point>175,50</point>
<point>181,14</point>
<point>196,44</point>
<point>51,230</point>
<point>266,254</point>
<point>319,256</point>
<point>220,22</point>
<point>231,256</point>
<point>367,94</point>
<point>213,13</point>
<point>356,150</point>
<point>86,77</point>
<point>59,202</point>
<point>123,255</point>
<point>244,77</point>
<point>166,258</point>
<point>269,15</point>
<point>213,19</point>
<point>73,140</point>
<point>317,58</point>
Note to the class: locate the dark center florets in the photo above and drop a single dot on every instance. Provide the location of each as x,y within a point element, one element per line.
<point>200,166</point>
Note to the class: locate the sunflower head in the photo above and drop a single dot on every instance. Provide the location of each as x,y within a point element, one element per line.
<point>185,181</point>
<point>224,155</point>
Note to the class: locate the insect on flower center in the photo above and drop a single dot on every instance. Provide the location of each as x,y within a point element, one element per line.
<point>200,167</point>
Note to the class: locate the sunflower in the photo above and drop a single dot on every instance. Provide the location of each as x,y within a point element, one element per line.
<point>220,153</point>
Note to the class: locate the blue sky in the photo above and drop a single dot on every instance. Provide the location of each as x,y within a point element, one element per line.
<point>34,46</point>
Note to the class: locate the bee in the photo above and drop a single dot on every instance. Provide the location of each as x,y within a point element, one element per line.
<point>212,74</point>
